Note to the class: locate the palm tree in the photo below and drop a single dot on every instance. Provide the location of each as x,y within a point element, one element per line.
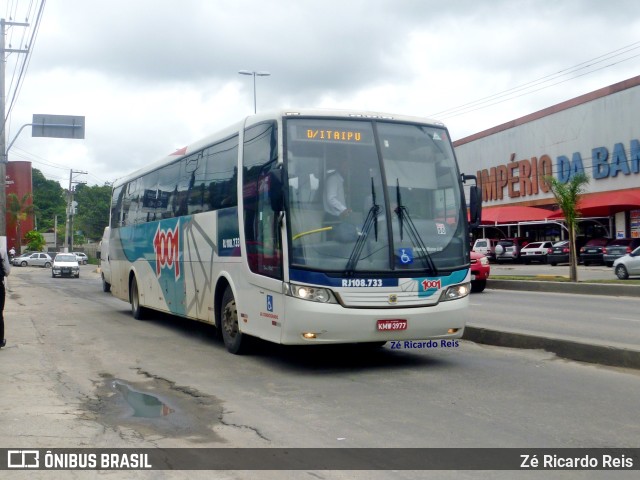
<point>18,210</point>
<point>567,195</point>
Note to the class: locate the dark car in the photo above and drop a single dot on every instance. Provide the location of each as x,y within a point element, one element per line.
<point>560,251</point>
<point>592,252</point>
<point>618,248</point>
<point>508,249</point>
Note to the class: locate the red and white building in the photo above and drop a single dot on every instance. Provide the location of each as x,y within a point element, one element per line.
<point>19,182</point>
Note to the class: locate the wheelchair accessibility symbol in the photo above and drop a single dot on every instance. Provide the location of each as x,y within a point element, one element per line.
<point>406,256</point>
<point>269,303</point>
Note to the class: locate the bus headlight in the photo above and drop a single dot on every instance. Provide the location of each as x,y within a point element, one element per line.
<point>456,291</point>
<point>313,294</point>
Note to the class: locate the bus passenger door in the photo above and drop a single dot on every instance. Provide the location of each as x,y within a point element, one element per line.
<point>261,307</point>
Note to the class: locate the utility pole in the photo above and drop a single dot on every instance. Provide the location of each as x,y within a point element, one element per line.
<point>3,117</point>
<point>68,232</point>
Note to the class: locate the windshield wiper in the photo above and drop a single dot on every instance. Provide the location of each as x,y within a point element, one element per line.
<point>371,220</point>
<point>403,214</point>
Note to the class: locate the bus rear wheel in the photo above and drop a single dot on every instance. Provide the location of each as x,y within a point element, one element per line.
<point>137,310</point>
<point>106,286</point>
<point>234,340</point>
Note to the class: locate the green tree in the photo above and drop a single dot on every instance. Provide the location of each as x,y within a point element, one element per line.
<point>35,241</point>
<point>18,209</point>
<point>567,195</point>
<point>49,201</point>
<point>94,203</point>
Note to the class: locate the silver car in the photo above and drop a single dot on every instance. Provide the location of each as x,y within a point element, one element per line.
<point>627,266</point>
<point>65,264</point>
<point>81,257</point>
<point>37,259</point>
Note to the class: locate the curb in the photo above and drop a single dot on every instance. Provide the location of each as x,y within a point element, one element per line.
<point>569,349</point>
<point>615,290</point>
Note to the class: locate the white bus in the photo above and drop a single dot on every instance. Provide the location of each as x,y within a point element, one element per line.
<point>236,230</point>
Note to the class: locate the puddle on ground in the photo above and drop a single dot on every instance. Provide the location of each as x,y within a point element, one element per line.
<point>143,404</point>
<point>155,406</point>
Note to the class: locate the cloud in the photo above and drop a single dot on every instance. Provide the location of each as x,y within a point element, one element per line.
<point>155,75</point>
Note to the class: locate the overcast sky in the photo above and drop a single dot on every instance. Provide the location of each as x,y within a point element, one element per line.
<point>151,76</point>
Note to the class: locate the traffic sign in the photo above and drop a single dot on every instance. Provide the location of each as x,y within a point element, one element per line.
<point>57,126</point>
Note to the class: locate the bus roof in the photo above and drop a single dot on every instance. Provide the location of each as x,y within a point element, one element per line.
<point>271,115</point>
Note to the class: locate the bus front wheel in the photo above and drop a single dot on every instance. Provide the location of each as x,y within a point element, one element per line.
<point>234,340</point>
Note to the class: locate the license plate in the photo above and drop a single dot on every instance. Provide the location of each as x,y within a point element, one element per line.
<point>391,325</point>
<point>592,251</point>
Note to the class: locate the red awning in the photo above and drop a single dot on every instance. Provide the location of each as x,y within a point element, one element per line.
<point>606,204</point>
<point>513,214</point>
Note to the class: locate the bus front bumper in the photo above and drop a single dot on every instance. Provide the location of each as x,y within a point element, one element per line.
<point>321,323</point>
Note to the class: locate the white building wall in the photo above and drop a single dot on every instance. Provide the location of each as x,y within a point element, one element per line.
<point>557,142</point>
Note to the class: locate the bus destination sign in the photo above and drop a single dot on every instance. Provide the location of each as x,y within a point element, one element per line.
<point>334,135</point>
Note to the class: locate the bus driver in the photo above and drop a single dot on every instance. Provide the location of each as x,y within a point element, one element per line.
<point>335,204</point>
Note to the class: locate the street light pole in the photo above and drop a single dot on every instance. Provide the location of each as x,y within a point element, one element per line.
<point>3,123</point>
<point>254,74</point>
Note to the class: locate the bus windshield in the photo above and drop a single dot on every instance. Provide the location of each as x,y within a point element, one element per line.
<point>373,196</point>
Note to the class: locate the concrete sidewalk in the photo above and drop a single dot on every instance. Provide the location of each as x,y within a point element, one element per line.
<point>582,288</point>
<point>591,352</point>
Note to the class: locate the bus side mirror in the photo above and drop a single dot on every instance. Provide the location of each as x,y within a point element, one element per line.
<point>475,201</point>
<point>275,190</point>
<point>475,207</point>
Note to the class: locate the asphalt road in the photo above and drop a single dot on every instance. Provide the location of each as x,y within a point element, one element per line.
<point>77,365</point>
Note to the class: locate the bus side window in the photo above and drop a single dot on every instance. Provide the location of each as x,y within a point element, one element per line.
<point>116,207</point>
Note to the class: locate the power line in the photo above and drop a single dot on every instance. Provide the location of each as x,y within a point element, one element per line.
<point>30,156</point>
<point>17,152</point>
<point>27,59</point>
<point>528,87</point>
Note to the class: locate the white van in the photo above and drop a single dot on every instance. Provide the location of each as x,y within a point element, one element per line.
<point>105,266</point>
<point>485,246</point>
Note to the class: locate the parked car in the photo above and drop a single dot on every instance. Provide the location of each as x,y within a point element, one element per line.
<point>560,251</point>
<point>592,251</point>
<point>509,249</point>
<point>485,246</point>
<point>37,259</point>
<point>65,264</point>
<point>15,260</point>
<point>82,257</point>
<point>617,248</point>
<point>536,252</point>
<point>627,265</point>
<point>480,270</point>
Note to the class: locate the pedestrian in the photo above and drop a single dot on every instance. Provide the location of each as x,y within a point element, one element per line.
<point>12,253</point>
<point>5,268</point>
